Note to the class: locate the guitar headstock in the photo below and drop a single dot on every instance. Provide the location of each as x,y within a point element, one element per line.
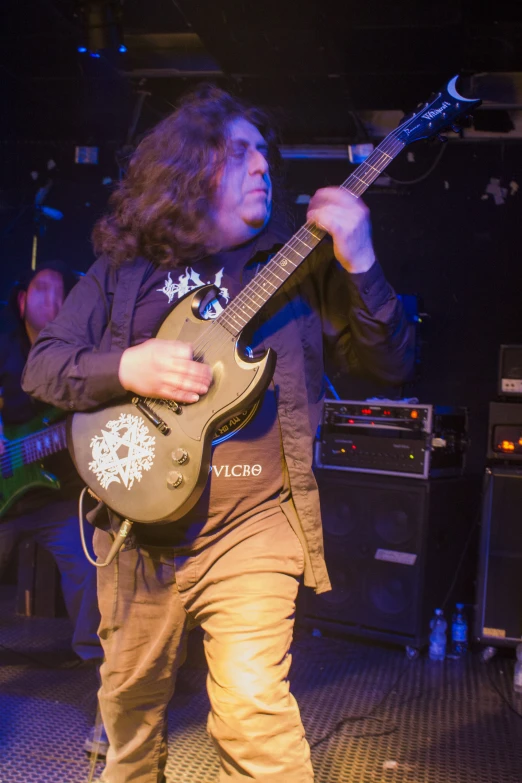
<point>441,112</point>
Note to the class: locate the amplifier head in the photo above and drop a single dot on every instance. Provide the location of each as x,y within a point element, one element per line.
<point>392,437</point>
<point>510,371</point>
<point>505,432</point>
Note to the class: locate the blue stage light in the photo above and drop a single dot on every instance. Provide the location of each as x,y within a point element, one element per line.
<point>82,49</point>
<point>122,49</point>
<point>94,54</point>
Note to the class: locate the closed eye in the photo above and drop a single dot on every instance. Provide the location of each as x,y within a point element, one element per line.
<point>238,149</point>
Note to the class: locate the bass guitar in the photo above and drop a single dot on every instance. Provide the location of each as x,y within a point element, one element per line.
<point>24,449</point>
<point>148,459</point>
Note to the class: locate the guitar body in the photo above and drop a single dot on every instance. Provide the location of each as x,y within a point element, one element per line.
<point>16,477</point>
<point>155,471</point>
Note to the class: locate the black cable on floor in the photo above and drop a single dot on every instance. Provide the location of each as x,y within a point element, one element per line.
<point>369,716</point>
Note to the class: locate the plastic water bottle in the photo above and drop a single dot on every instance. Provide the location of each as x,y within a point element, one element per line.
<point>517,679</point>
<point>459,631</point>
<point>438,625</point>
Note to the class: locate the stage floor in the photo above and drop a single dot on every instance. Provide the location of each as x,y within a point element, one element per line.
<point>371,715</point>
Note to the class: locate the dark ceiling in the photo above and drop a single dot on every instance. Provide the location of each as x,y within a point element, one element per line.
<point>316,63</point>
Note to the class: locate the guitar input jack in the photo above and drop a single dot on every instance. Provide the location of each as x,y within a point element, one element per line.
<point>117,544</point>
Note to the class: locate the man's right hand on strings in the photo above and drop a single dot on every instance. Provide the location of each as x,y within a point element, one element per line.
<point>164,369</point>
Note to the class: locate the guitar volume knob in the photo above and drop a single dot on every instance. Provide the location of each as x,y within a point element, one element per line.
<point>179,456</point>
<point>174,479</point>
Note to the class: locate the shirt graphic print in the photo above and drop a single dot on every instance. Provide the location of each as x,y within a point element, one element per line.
<point>190,280</point>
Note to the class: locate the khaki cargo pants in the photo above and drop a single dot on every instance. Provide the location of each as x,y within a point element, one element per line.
<point>241,589</point>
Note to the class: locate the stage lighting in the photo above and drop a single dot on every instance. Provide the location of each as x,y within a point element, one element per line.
<point>101,26</point>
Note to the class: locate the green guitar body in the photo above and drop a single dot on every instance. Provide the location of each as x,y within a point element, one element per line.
<point>21,466</point>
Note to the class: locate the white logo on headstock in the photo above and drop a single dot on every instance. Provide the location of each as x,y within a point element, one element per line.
<point>122,452</point>
<point>410,130</point>
<point>432,113</point>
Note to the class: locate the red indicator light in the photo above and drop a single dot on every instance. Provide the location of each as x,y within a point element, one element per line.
<point>414,414</point>
<point>366,411</point>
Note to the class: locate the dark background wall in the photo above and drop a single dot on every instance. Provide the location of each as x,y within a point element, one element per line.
<point>441,237</point>
<point>78,191</point>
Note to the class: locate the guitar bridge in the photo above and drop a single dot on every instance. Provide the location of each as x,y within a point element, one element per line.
<point>173,406</point>
<point>151,415</point>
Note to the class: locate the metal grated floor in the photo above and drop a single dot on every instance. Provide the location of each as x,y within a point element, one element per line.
<point>371,715</point>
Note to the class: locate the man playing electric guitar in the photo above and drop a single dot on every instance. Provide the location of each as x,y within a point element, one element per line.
<point>201,204</point>
<point>41,507</point>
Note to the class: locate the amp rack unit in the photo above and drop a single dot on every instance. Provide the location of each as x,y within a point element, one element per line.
<point>392,438</point>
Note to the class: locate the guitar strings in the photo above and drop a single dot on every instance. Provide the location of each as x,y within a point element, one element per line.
<point>257,285</point>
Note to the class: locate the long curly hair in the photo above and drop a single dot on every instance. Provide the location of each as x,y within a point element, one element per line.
<point>160,208</point>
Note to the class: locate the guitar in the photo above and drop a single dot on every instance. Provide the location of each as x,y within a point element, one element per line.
<point>148,459</point>
<point>25,447</point>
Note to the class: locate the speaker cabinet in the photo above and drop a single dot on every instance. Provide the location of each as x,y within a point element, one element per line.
<point>393,547</point>
<point>498,619</point>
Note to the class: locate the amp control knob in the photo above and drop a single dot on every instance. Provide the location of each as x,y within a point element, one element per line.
<point>180,456</point>
<point>174,479</point>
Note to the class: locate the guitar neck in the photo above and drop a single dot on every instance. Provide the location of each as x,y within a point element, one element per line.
<point>43,443</point>
<point>254,296</point>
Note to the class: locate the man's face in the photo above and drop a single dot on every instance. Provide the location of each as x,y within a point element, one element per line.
<point>43,299</point>
<point>243,198</point>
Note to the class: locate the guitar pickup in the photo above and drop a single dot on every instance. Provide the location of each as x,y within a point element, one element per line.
<point>151,415</point>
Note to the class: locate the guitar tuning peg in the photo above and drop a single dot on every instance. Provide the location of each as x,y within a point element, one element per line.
<point>442,138</point>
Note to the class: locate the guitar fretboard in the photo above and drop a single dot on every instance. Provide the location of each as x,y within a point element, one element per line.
<point>42,444</point>
<point>247,304</point>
